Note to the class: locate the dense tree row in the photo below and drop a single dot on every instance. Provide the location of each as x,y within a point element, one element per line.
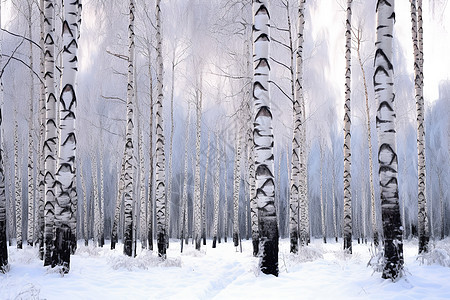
<point>235,166</point>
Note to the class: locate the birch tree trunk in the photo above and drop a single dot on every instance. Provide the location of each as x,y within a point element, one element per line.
<point>102,200</point>
<point>197,199</point>
<point>383,81</point>
<point>4,267</point>
<point>142,210</point>
<point>225,213</point>
<point>253,203</point>
<point>85,207</point>
<point>150,171</point>
<point>118,208</point>
<point>30,221</point>
<point>41,157</point>
<point>184,212</point>
<point>417,37</point>
<point>216,193</point>
<point>263,140</point>
<point>96,200</point>
<point>205,191</point>
<point>300,135</point>
<point>161,221</point>
<point>296,140</point>
<point>65,183</point>
<point>129,156</point>
<point>17,185</point>
<point>347,225</point>
<point>236,190</point>
<point>50,130</point>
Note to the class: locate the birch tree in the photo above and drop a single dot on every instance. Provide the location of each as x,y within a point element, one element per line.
<point>236,190</point>
<point>205,190</point>
<point>296,140</point>
<point>17,185</point>
<point>301,133</point>
<point>3,245</point>
<point>383,82</point>
<point>161,225</point>
<point>41,153</point>
<point>129,157</point>
<point>197,199</point>
<point>347,225</point>
<point>216,193</point>
<point>65,183</point>
<point>417,37</point>
<point>263,140</point>
<point>30,223</point>
<point>184,212</point>
<point>51,137</point>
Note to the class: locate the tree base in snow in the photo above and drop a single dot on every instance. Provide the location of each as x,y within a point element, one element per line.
<point>393,256</point>
<point>4,267</point>
<point>63,245</point>
<point>255,243</point>
<point>269,257</point>
<point>214,242</point>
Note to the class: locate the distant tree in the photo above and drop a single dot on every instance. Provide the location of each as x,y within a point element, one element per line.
<point>383,82</point>
<point>17,185</point>
<point>263,140</point>
<point>216,193</point>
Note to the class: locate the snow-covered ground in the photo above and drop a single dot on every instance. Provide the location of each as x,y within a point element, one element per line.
<point>320,271</point>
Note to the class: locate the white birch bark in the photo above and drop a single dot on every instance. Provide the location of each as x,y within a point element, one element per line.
<point>184,212</point>
<point>197,199</point>
<point>263,140</point>
<point>300,135</point>
<point>383,81</point>
<point>129,156</point>
<point>347,224</point>
<point>225,213</point>
<point>236,190</point>
<point>96,200</point>
<point>205,190</point>
<point>41,157</point>
<point>85,207</point>
<point>417,37</point>
<point>161,221</point>
<point>102,200</point>
<point>51,137</point>
<point>294,195</point>
<point>142,204</point>
<point>4,267</point>
<point>17,185</point>
<point>31,215</point>
<point>150,171</point>
<point>118,207</point>
<point>65,183</point>
<point>216,193</point>
<point>252,189</point>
